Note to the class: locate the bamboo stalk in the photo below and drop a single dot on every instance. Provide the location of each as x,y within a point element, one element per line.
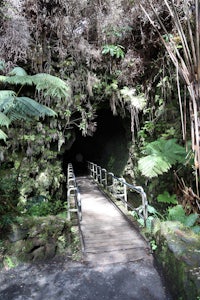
<point>180,105</point>
<point>184,42</point>
<point>188,67</point>
<point>192,42</point>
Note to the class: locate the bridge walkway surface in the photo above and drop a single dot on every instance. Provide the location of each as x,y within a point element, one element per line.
<point>108,236</point>
<point>112,243</point>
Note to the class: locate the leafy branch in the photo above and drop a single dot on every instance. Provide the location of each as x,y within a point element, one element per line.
<point>114,50</point>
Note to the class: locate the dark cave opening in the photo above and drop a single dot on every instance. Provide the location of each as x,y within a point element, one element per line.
<point>108,147</point>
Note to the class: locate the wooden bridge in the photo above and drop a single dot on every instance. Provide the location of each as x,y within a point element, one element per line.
<point>111,243</point>
<point>107,235</point>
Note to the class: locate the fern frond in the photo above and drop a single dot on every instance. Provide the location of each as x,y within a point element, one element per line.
<point>3,136</point>
<point>51,85</point>
<point>152,166</point>
<point>17,108</point>
<point>174,152</point>
<point>14,115</point>
<point>19,79</point>
<point>18,71</point>
<point>6,94</point>
<point>3,78</point>
<point>4,120</point>
<point>7,103</point>
<point>30,107</point>
<point>160,156</point>
<point>168,149</point>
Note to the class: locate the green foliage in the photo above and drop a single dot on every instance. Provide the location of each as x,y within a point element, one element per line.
<point>3,136</point>
<point>153,245</point>
<point>118,31</point>
<point>16,108</point>
<point>17,71</point>
<point>177,213</point>
<point>152,214</point>
<point>48,84</point>
<point>4,120</point>
<point>51,86</point>
<point>39,207</point>
<point>167,198</point>
<point>196,229</point>
<point>13,107</point>
<point>114,50</point>
<point>8,262</point>
<point>160,156</point>
<point>8,200</point>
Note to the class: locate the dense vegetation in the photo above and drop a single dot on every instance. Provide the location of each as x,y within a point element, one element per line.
<point>141,58</point>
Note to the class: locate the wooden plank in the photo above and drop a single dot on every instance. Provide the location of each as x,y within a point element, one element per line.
<point>108,237</point>
<point>116,256</point>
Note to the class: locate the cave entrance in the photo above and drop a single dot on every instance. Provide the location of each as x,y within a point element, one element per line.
<point>108,147</point>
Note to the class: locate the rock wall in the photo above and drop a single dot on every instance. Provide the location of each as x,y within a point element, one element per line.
<point>178,254</point>
<point>33,239</point>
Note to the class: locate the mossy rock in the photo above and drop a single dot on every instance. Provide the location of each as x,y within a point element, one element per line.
<point>37,238</point>
<point>178,253</point>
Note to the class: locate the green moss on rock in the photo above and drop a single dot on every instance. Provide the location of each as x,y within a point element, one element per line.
<point>178,253</point>
<point>37,238</point>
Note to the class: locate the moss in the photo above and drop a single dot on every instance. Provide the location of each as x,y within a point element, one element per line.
<point>44,237</point>
<point>175,254</point>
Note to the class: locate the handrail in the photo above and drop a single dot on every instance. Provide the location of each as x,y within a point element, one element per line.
<point>74,200</point>
<point>118,188</point>
<point>73,194</point>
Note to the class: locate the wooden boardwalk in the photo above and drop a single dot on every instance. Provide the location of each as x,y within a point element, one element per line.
<point>108,236</point>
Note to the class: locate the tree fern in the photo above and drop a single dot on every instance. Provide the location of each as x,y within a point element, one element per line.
<point>30,107</point>
<point>13,107</point>
<point>153,165</point>
<point>6,93</point>
<point>160,156</point>
<point>4,120</point>
<point>22,107</point>
<point>18,71</point>
<point>50,85</point>
<point>3,136</point>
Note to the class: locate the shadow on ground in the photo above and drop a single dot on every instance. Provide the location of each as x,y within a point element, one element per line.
<point>64,279</point>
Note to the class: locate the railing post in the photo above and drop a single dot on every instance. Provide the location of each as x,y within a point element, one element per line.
<point>110,187</point>
<point>92,170</point>
<point>104,179</point>
<point>144,203</point>
<point>99,174</point>
<point>125,194</point>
